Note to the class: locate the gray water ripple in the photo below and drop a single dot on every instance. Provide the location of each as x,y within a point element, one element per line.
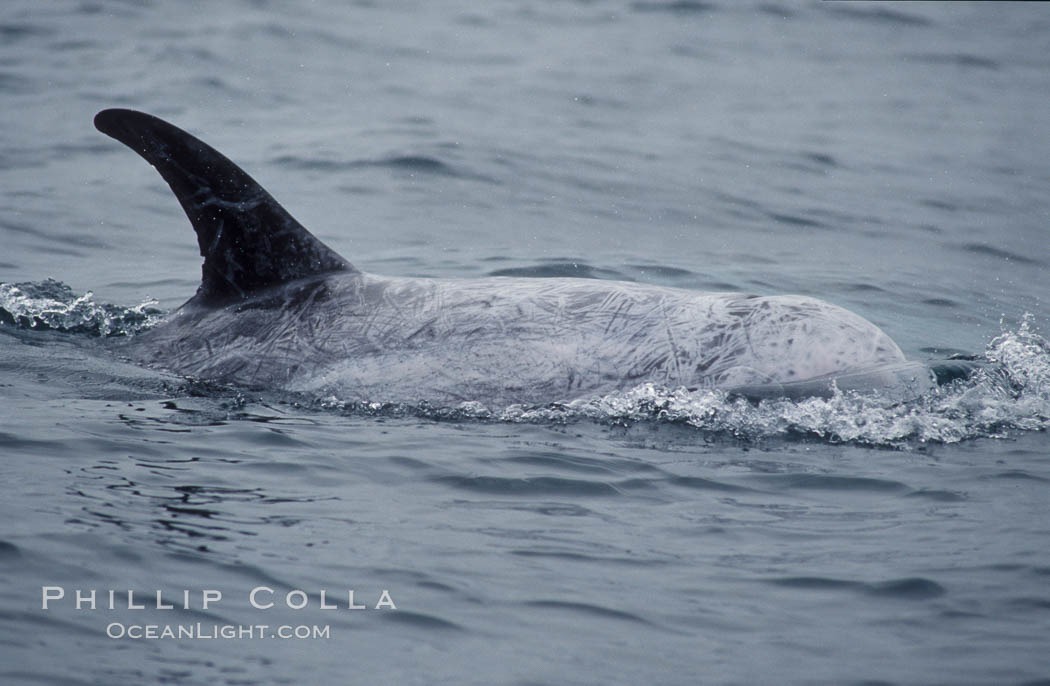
<point>828,482</point>
<point>575,463</point>
<point>938,495</point>
<point>588,609</point>
<point>528,486</point>
<point>878,15</point>
<point>1015,475</point>
<point>1001,253</point>
<point>421,621</point>
<point>911,588</point>
<point>961,59</point>
<point>576,556</point>
<point>15,31</point>
<point>546,508</point>
<point>678,7</point>
<point>575,269</point>
<point>702,484</point>
<point>662,271</point>
<point>409,164</point>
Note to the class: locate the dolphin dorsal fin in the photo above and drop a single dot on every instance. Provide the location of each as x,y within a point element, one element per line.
<point>248,241</point>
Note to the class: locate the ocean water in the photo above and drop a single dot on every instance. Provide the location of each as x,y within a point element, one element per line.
<point>892,158</point>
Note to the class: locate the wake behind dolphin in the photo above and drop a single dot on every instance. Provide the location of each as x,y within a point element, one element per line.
<point>277,308</point>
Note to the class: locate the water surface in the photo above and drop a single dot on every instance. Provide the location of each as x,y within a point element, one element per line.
<point>891,158</point>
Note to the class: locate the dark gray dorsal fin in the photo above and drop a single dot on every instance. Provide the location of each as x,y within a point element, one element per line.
<point>248,241</point>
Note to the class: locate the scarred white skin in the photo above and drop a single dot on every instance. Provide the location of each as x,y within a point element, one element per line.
<point>501,341</point>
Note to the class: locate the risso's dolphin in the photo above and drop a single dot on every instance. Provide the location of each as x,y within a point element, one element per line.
<point>277,308</point>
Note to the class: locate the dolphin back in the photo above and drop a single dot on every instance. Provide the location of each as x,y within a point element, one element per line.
<point>248,241</point>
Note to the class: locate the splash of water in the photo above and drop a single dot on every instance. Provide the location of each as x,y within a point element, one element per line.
<point>53,305</point>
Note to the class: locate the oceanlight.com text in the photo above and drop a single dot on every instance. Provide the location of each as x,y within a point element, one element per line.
<point>204,631</point>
